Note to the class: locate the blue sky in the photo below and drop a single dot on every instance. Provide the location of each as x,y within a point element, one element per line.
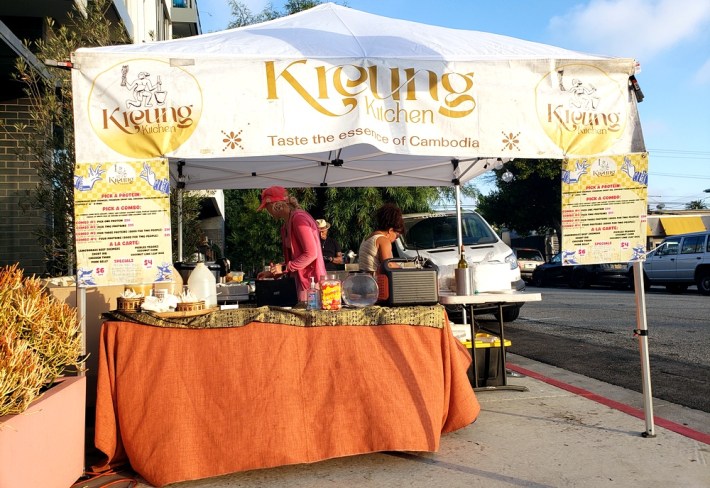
<point>669,38</point>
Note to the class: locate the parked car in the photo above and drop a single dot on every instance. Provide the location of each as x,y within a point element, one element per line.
<point>553,273</point>
<point>434,236</point>
<point>679,262</point>
<point>528,260</point>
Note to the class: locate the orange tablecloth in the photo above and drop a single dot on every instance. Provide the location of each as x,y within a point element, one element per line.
<point>184,404</point>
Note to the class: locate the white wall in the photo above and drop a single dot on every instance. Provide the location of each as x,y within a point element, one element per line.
<point>149,16</point>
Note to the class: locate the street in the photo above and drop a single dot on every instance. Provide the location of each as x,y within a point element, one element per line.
<point>590,332</point>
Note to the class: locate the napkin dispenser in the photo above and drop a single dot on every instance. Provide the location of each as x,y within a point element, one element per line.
<point>412,283</point>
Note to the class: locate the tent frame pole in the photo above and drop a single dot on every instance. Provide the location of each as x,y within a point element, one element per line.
<point>459,225</point>
<point>459,240</point>
<point>179,224</point>
<point>642,333</point>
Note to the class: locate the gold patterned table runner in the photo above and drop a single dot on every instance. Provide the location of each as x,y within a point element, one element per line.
<point>427,316</point>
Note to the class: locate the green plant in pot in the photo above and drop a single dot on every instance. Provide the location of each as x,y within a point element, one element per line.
<point>40,340</point>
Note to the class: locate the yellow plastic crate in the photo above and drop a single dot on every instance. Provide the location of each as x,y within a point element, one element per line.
<point>484,341</point>
<point>488,361</point>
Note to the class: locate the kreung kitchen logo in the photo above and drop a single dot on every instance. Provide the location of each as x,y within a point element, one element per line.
<point>603,167</point>
<point>144,108</point>
<point>382,92</point>
<point>121,174</point>
<point>581,109</point>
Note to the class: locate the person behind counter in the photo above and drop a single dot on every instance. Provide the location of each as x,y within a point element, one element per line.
<point>332,254</point>
<point>300,240</point>
<point>377,247</point>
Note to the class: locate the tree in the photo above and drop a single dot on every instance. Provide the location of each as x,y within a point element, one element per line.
<point>531,202</point>
<point>242,14</point>
<point>48,140</point>
<point>191,230</point>
<point>696,205</point>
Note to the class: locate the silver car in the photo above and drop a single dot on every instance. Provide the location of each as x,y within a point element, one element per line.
<point>528,260</point>
<point>679,262</point>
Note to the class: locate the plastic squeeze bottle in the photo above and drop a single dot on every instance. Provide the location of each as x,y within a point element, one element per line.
<point>312,298</point>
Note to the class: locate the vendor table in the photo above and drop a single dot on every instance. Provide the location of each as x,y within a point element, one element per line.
<point>182,401</point>
<point>487,299</point>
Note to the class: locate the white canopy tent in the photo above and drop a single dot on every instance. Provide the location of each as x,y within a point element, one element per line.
<point>337,97</point>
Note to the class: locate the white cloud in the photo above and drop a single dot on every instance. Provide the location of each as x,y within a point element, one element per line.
<point>702,76</point>
<point>634,28</point>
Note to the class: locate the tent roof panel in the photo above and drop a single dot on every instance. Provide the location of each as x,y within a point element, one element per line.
<point>334,31</point>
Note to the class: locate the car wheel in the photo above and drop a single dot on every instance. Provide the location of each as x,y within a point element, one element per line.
<point>537,281</point>
<point>703,284</point>
<point>676,288</point>
<point>509,314</point>
<point>579,280</point>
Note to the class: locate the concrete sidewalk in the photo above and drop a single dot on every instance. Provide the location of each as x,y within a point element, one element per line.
<point>545,437</point>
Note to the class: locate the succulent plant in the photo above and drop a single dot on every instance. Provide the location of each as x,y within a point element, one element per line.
<point>40,339</point>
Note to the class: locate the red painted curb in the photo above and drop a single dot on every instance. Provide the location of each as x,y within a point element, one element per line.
<point>661,422</point>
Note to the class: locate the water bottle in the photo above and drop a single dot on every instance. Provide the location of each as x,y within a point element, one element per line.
<point>203,285</point>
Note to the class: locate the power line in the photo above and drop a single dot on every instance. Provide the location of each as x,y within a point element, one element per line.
<point>680,151</point>
<point>672,175</point>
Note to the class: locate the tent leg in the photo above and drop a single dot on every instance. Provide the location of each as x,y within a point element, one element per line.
<point>459,230</point>
<point>179,224</point>
<point>81,312</point>
<point>459,240</point>
<point>642,333</point>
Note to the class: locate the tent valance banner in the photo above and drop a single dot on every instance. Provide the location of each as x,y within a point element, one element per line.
<point>604,204</point>
<point>332,96</point>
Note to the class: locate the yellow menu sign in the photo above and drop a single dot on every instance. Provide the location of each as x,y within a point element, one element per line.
<point>122,222</point>
<point>604,202</point>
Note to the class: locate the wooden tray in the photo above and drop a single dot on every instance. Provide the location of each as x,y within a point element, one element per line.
<point>186,313</point>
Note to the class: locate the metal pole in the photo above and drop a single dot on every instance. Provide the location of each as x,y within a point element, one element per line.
<point>179,223</point>
<point>642,333</point>
<point>459,230</point>
<point>81,311</point>
<point>459,241</point>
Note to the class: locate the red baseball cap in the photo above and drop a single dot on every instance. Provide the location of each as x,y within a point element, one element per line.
<point>273,194</point>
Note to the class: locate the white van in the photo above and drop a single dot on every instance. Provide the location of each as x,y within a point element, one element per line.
<point>679,262</point>
<point>434,236</point>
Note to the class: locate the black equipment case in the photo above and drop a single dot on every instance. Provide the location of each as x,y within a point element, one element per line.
<point>279,293</point>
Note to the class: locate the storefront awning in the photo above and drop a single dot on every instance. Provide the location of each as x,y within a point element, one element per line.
<point>682,225</point>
